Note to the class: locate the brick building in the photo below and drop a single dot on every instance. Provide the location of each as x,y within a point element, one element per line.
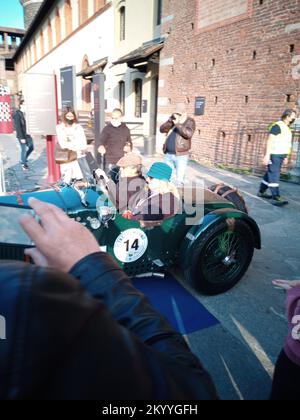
<point>243,57</point>
<point>10,39</point>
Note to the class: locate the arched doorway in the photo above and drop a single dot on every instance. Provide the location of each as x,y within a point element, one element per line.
<point>86,88</point>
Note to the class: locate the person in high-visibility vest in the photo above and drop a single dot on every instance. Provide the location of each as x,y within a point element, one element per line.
<point>278,149</point>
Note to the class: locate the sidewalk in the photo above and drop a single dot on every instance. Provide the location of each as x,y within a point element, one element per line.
<point>15,178</point>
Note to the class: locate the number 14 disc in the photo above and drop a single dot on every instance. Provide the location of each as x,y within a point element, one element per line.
<point>130,245</point>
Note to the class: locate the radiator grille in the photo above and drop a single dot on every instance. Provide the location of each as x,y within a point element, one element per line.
<point>11,252</point>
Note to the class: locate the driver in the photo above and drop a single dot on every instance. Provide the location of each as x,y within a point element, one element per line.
<point>160,199</point>
<point>130,183</point>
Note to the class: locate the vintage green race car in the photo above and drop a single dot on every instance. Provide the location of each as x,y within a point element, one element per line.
<point>213,252</point>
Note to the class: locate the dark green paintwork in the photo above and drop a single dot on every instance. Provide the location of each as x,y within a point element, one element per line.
<point>167,242</point>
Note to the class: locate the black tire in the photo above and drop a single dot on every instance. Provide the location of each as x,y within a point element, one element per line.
<point>211,271</point>
<point>232,195</point>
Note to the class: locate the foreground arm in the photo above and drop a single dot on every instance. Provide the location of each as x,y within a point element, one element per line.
<point>168,362</point>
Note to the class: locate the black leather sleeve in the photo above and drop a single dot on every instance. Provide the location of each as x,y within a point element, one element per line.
<point>100,276</point>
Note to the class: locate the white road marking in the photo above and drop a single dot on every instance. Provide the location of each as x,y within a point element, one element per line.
<point>257,349</point>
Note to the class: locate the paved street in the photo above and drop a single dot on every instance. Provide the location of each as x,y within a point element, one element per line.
<point>15,178</point>
<point>241,350</point>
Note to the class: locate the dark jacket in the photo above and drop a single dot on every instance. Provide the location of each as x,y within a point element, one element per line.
<point>184,133</point>
<point>114,139</point>
<point>90,335</point>
<point>20,124</point>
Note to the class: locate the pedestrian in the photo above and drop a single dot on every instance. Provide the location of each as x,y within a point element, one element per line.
<point>286,383</point>
<point>115,141</point>
<point>77,329</point>
<point>71,137</point>
<point>279,147</point>
<point>179,130</point>
<point>25,140</point>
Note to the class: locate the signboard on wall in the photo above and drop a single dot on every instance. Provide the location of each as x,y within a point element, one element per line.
<point>40,103</point>
<point>199,105</point>
<point>67,86</point>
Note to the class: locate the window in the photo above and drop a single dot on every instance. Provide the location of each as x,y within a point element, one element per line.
<point>122,96</point>
<point>57,28</point>
<point>34,52</point>
<point>159,12</point>
<point>30,57</point>
<point>42,46</point>
<point>122,23</point>
<point>98,4</point>
<point>9,64</point>
<point>68,17</point>
<point>138,89</point>
<point>83,11</point>
<point>49,32</point>
<point>27,60</point>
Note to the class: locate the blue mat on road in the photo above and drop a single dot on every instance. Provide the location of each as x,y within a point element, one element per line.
<point>185,313</point>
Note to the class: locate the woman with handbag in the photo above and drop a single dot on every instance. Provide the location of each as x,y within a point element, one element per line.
<point>71,145</point>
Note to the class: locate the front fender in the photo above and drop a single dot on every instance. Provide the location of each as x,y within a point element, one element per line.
<point>206,223</point>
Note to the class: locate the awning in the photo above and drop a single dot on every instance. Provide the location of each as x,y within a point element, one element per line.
<point>142,54</point>
<point>89,72</point>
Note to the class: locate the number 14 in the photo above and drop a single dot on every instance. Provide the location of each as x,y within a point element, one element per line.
<point>134,246</point>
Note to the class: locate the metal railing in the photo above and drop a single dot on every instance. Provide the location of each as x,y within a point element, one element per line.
<point>245,149</point>
<point>2,176</point>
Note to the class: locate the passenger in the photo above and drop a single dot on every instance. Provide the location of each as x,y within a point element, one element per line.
<point>131,181</point>
<point>160,199</point>
<point>77,329</point>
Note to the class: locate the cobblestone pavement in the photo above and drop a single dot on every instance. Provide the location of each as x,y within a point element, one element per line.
<point>15,178</point>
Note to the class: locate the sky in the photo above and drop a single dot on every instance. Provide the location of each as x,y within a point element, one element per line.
<point>11,14</point>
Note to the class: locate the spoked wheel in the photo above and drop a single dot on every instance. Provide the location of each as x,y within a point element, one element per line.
<point>221,258</point>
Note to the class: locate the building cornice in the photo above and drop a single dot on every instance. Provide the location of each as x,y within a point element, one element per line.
<point>42,14</point>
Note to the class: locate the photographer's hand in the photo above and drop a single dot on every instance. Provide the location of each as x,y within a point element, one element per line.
<point>60,241</point>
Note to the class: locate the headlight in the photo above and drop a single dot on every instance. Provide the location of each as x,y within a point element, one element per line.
<point>106,214</point>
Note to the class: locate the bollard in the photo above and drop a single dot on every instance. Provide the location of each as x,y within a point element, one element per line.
<point>53,168</point>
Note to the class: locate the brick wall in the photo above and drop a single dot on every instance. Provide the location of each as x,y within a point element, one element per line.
<point>242,67</point>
